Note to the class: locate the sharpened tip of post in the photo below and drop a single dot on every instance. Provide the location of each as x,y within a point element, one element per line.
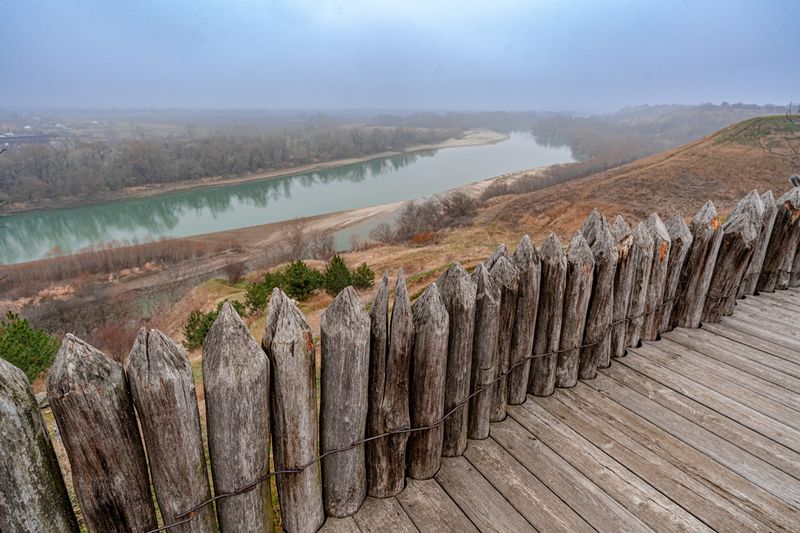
<point>501,251</point>
<point>678,229</point>
<point>578,250</point>
<point>484,284</point>
<point>345,308</point>
<point>707,216</point>
<point>552,252</point>
<point>526,256</point>
<point>504,273</point>
<point>429,309</point>
<point>643,238</point>
<point>657,228</point>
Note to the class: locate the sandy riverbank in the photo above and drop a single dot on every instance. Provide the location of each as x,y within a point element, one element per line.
<point>468,138</point>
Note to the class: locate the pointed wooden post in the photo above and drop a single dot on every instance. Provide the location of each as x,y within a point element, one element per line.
<point>597,336</point>
<point>752,202</point>
<point>484,349</point>
<point>33,496</point>
<point>681,241</point>
<point>458,294</point>
<point>739,235</point>
<point>782,243</point>
<point>658,276</point>
<point>642,265</point>
<point>528,264</point>
<point>501,251</point>
<point>506,276</point>
<point>549,317</point>
<point>623,283</point>
<point>163,392</point>
<point>750,280</point>
<point>344,388</point>
<point>91,402</point>
<point>577,292</point>
<point>428,368</point>
<point>698,268</point>
<point>293,406</point>
<point>389,390</point>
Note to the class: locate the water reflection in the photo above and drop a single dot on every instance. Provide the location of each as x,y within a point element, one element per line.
<point>32,235</point>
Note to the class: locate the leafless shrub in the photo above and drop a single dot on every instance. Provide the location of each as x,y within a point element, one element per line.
<point>323,246</point>
<point>297,245</point>
<point>234,270</point>
<point>382,233</point>
<point>114,339</point>
<point>459,207</point>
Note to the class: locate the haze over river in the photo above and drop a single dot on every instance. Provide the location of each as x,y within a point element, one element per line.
<point>28,236</point>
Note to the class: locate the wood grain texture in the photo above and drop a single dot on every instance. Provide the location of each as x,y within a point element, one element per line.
<point>753,202</point>
<point>381,515</point>
<point>775,272</point>
<point>293,406</point>
<point>426,391</point>
<point>506,277</point>
<point>484,351</point>
<point>33,497</point>
<point>92,406</point>
<point>597,335</point>
<point>698,268</point>
<point>431,509</point>
<point>344,390</point>
<point>642,265</point>
<point>623,284</point>
<point>680,237</point>
<point>658,276</point>
<point>739,235</point>
<point>577,294</point>
<point>549,316</point>
<point>526,259</point>
<point>750,280</point>
<point>162,387</point>
<point>458,294</point>
<point>386,457</point>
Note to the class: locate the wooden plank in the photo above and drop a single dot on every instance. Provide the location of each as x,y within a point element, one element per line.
<point>711,492</point>
<point>741,412</point>
<point>749,440</point>
<point>759,328</point>
<point>383,515</point>
<point>768,347</point>
<point>780,320</point>
<point>431,509</point>
<point>699,365</point>
<point>725,351</point>
<point>791,296</point>
<point>587,499</point>
<point>339,525</point>
<point>748,466</point>
<point>636,495</point>
<point>478,499</point>
<point>529,496</point>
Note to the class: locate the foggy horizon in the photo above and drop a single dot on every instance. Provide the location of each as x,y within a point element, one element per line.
<point>356,56</point>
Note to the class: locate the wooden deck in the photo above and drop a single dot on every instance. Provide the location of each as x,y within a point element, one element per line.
<point>699,431</point>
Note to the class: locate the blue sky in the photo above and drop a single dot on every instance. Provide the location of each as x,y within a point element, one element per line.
<point>401,54</point>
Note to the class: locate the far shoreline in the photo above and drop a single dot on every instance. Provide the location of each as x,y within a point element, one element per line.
<point>472,137</point>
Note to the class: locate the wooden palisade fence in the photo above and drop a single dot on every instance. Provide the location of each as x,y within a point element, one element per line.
<point>399,387</point>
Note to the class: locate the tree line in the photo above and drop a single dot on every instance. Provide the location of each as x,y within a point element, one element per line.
<point>75,167</point>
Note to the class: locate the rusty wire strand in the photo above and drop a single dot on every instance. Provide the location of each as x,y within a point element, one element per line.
<point>188,515</point>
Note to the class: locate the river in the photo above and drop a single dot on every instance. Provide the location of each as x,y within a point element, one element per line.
<point>32,235</point>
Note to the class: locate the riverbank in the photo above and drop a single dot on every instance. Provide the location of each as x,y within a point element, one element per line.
<point>473,137</point>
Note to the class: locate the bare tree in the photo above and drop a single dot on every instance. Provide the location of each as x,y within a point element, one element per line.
<point>382,233</point>
<point>324,245</point>
<point>788,145</point>
<point>297,245</point>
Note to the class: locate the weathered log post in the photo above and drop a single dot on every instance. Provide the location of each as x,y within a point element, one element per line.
<point>748,286</point>
<point>681,241</point>
<point>33,497</point>
<point>428,368</point>
<point>389,402</point>
<point>642,265</point>
<point>344,387</point>
<point>549,317</point>
<point>92,405</point>
<point>751,201</point>
<point>293,406</point>
<point>500,251</point>
<point>658,276</point>
<point>160,378</point>
<point>458,294</point>
<point>577,292</point>
<point>782,243</point>
<point>739,235</point>
<point>698,268</point>
<point>596,335</point>
<point>484,349</point>
<point>528,264</point>
<point>623,282</point>
<point>506,276</point>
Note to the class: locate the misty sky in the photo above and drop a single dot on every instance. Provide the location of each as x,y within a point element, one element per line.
<point>399,54</point>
